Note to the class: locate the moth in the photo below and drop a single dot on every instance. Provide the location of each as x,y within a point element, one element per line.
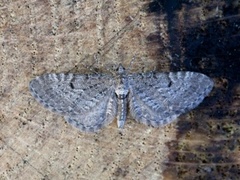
<point>92,101</point>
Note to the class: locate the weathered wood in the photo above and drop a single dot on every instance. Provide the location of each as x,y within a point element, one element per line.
<point>68,36</point>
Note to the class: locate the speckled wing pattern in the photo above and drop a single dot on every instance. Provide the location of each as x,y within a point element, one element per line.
<point>87,102</point>
<point>159,98</point>
<point>91,101</point>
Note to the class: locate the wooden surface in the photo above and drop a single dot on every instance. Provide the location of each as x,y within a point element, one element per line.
<point>87,36</point>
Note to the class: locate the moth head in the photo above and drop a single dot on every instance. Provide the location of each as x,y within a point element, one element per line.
<point>120,69</point>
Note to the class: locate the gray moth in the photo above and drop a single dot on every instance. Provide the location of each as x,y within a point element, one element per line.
<point>92,101</point>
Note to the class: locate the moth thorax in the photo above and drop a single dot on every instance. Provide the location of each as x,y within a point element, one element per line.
<point>121,91</point>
